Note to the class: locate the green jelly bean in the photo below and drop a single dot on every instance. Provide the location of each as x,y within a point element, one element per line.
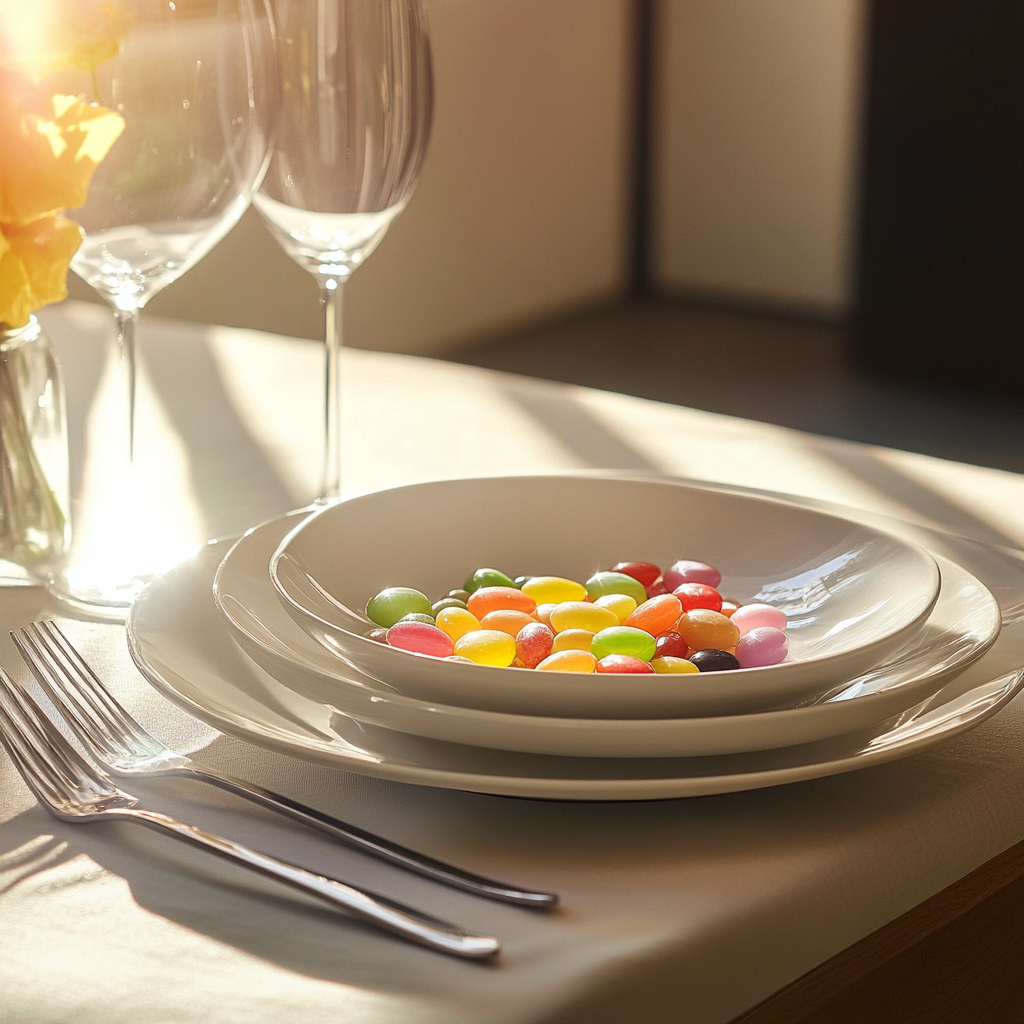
<point>487,578</point>
<point>520,580</point>
<point>623,640</point>
<point>603,583</point>
<point>394,603</point>
<point>446,602</point>
<point>418,617</point>
<point>462,595</point>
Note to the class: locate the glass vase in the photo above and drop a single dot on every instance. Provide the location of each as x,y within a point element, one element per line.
<point>35,529</point>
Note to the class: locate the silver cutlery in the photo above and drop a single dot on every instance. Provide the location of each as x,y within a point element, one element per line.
<point>117,742</point>
<point>75,791</point>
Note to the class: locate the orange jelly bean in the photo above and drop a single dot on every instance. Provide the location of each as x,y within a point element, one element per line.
<point>656,615</point>
<point>568,661</point>
<point>507,620</point>
<point>703,629</point>
<point>491,599</point>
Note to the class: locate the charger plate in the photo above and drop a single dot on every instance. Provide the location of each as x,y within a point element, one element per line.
<point>964,623</point>
<point>183,647</point>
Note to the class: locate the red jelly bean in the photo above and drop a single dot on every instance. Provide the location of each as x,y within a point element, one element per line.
<point>671,645</point>
<point>420,638</point>
<point>622,662</point>
<point>686,571</point>
<point>657,588</point>
<point>533,644</point>
<point>698,595</point>
<point>644,572</point>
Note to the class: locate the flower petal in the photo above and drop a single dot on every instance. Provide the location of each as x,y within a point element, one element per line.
<point>34,260</point>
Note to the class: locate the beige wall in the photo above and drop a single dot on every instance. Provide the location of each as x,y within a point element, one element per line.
<point>520,209</point>
<point>757,106</point>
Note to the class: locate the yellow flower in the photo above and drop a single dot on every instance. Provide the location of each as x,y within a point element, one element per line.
<point>39,37</point>
<point>51,145</point>
<point>34,261</point>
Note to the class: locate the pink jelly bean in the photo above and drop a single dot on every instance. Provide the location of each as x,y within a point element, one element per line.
<point>752,616</point>
<point>691,572</point>
<point>420,638</point>
<point>763,645</point>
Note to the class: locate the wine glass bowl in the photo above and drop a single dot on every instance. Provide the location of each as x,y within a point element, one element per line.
<point>356,100</point>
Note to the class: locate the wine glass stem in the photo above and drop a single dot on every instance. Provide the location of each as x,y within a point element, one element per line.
<point>126,321</point>
<point>330,297</point>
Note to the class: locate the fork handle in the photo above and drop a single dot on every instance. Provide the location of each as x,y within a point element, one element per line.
<point>372,844</point>
<point>392,917</point>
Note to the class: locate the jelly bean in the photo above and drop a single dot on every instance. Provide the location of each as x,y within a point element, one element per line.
<point>461,595</point>
<point>391,604</point>
<point>568,661</point>
<point>620,605</point>
<point>686,571</point>
<point>657,588</point>
<point>644,572</point>
<point>378,635</point>
<point>420,638</point>
<point>698,595</point>
<point>762,645</point>
<point>580,615</point>
<point>554,589</point>
<point>457,622</point>
<point>446,602</point>
<point>572,640</point>
<point>728,607</point>
<point>703,628</point>
<point>670,645</point>
<point>710,660</point>
<point>750,616</point>
<point>544,611</point>
<point>418,617</point>
<point>520,580</point>
<point>615,583</point>
<point>622,663</point>
<point>490,599</point>
<point>623,640</point>
<point>507,620</point>
<point>656,615</point>
<point>533,644</point>
<point>487,647</point>
<point>671,664</point>
<point>487,578</point>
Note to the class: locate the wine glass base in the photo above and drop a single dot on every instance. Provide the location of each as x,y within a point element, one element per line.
<point>101,602</point>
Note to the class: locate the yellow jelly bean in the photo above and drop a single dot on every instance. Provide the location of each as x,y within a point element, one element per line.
<point>620,605</point>
<point>581,615</point>
<point>456,622</point>
<point>673,665</point>
<point>487,647</point>
<point>573,640</point>
<point>554,589</point>
<point>568,661</point>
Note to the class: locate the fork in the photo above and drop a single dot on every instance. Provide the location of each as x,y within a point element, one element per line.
<point>75,791</point>
<point>117,742</point>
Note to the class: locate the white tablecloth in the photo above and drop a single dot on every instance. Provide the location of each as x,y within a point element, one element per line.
<point>682,911</point>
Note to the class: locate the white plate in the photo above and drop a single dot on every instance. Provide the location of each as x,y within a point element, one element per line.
<point>182,645</point>
<point>854,595</point>
<point>963,625</point>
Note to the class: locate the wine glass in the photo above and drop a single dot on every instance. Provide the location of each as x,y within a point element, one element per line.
<point>195,81</point>
<point>355,112</point>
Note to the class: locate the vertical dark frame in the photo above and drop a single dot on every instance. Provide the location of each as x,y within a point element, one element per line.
<point>940,268</point>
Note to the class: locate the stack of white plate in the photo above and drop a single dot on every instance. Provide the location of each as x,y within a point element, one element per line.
<point>895,639</point>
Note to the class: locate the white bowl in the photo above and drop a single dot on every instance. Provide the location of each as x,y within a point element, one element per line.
<point>962,626</point>
<point>853,594</point>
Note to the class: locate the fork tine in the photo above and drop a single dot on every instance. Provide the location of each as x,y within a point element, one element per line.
<point>53,769</point>
<point>71,685</point>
